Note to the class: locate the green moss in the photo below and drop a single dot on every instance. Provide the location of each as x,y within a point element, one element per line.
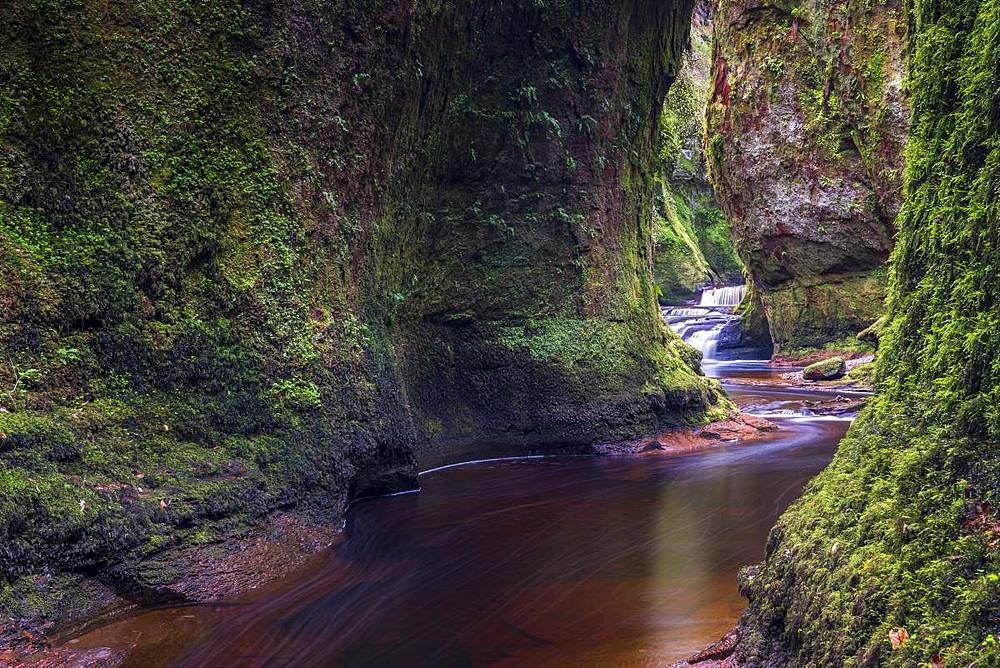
<point>243,289</point>
<point>901,531</point>
<point>570,343</point>
<point>848,344</point>
<point>753,320</point>
<point>835,68</point>
<point>828,369</point>
<point>679,265</point>
<point>692,237</point>
<point>821,311</point>
<point>863,374</point>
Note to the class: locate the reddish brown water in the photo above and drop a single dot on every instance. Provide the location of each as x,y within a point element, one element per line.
<point>626,561</point>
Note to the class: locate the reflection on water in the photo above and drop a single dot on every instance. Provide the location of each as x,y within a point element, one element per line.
<point>625,561</point>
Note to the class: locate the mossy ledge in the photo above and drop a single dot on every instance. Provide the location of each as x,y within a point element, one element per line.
<point>269,256</point>
<point>901,531</point>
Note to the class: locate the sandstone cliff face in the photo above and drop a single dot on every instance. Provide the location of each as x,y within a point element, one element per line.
<point>806,127</point>
<point>273,255</point>
<point>901,530</point>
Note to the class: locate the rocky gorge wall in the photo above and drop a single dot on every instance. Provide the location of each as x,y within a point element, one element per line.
<point>892,555</point>
<point>269,256</point>
<point>693,244</point>
<point>806,125</point>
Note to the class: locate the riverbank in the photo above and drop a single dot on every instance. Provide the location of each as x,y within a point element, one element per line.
<point>231,569</point>
<point>739,427</point>
<point>614,559</point>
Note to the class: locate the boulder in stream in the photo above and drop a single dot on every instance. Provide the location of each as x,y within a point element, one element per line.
<point>829,369</point>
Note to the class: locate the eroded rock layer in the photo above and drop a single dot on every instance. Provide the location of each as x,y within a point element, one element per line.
<point>891,557</point>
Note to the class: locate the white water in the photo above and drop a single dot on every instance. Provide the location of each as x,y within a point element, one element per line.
<point>707,341</point>
<point>729,296</point>
<point>702,326</point>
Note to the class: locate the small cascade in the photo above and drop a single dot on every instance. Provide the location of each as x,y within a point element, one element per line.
<point>728,297</point>
<point>706,340</point>
<point>710,325</point>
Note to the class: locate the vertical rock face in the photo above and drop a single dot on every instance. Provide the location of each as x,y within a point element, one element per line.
<point>693,242</point>
<point>806,127</point>
<point>532,318</point>
<point>901,531</point>
<point>270,255</point>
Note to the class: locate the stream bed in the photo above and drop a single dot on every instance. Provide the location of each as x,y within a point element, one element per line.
<point>572,561</point>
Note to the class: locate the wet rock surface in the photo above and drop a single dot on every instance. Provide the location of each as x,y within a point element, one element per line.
<point>738,427</point>
<point>270,256</point>
<point>832,368</point>
<point>806,126</point>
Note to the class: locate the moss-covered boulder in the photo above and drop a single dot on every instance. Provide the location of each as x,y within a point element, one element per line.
<point>829,369</point>
<point>805,132</point>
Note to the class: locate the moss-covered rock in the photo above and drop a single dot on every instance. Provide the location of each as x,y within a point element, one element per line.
<point>754,330</point>
<point>901,530</point>
<point>272,255</point>
<point>693,245</point>
<point>805,131</point>
<point>829,369</point>
<point>862,374</point>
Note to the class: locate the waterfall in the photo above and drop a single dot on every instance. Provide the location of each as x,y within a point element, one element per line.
<point>706,340</point>
<point>729,296</point>
<point>710,325</point>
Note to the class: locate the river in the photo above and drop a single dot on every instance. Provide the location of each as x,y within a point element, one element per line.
<point>566,561</point>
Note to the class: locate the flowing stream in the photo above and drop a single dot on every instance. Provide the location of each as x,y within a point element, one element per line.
<point>729,297</point>
<point>712,324</point>
<point>561,561</point>
<point>566,561</point>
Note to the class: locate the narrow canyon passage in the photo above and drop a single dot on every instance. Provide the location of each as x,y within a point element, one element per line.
<point>625,561</point>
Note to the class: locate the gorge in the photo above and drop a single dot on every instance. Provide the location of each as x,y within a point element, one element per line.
<point>264,265</point>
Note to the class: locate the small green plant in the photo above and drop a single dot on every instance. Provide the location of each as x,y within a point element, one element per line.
<point>295,394</point>
<point>528,94</point>
<point>22,377</point>
<point>774,66</point>
<point>501,225</point>
<point>68,356</point>
<point>546,118</point>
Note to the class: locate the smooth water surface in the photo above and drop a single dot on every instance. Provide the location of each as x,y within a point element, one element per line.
<point>618,561</point>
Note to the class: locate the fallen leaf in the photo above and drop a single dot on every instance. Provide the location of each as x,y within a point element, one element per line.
<point>898,636</point>
<point>936,660</point>
<point>83,505</point>
<point>835,549</point>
